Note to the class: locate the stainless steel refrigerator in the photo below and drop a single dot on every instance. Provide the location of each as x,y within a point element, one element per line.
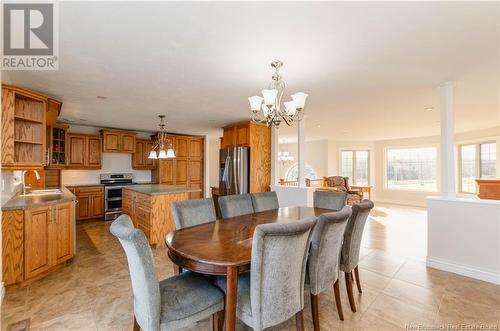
<point>234,173</point>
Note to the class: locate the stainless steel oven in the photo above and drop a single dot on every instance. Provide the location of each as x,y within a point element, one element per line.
<point>113,184</point>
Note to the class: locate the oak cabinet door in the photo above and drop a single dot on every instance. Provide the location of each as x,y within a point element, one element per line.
<point>111,141</point>
<point>242,135</point>
<point>181,147</point>
<point>196,148</point>
<point>228,139</point>
<point>127,143</point>
<point>83,207</point>
<point>97,205</point>
<point>181,172</point>
<point>167,175</point>
<point>138,157</point>
<point>94,154</point>
<point>63,232</point>
<point>37,247</point>
<point>76,150</point>
<point>150,163</point>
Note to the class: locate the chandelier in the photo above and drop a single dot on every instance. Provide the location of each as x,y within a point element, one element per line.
<point>162,144</point>
<point>269,109</point>
<point>285,156</point>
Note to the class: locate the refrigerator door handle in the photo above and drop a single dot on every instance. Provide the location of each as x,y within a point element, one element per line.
<point>237,171</point>
<point>225,176</point>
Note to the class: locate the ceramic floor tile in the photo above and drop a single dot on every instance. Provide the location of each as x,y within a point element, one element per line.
<point>414,294</point>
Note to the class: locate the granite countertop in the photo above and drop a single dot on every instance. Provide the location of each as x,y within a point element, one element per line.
<point>160,189</point>
<point>27,202</point>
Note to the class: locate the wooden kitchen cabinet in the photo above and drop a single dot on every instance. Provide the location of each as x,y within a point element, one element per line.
<point>84,151</point>
<point>57,146</point>
<point>187,168</point>
<point>35,241</point>
<point>140,158</point>
<point>23,136</point>
<point>257,137</point>
<point>118,141</point>
<point>90,203</point>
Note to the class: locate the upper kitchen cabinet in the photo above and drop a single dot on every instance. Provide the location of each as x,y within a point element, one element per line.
<point>118,141</point>
<point>57,147</point>
<point>24,115</point>
<point>84,151</point>
<point>140,160</point>
<point>257,136</point>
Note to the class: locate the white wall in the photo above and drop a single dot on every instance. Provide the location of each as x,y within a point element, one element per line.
<point>213,160</point>
<point>464,237</point>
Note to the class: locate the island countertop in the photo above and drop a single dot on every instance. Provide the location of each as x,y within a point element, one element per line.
<point>160,189</point>
<point>27,202</point>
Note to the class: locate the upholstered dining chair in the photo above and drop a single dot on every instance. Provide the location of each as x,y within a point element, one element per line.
<point>174,302</point>
<point>193,212</point>
<point>329,200</point>
<point>324,255</point>
<point>349,258</point>
<point>264,201</point>
<point>341,184</point>
<point>235,205</point>
<point>273,291</point>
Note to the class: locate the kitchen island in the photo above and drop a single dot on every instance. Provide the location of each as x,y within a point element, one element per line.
<point>149,208</point>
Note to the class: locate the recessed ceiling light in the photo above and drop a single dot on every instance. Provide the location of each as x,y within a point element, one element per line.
<point>319,126</point>
<point>101,97</point>
<point>429,109</point>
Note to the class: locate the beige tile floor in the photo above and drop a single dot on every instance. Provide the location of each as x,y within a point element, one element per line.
<point>93,292</point>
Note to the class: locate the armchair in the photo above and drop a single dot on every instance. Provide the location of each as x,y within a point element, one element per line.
<point>341,184</point>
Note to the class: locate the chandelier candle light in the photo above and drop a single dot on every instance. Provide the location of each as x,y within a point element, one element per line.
<point>162,144</point>
<point>270,110</point>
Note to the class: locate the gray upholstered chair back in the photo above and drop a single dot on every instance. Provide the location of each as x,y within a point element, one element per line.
<point>349,258</point>
<point>330,200</point>
<point>279,255</point>
<point>324,254</point>
<point>145,286</point>
<point>264,201</point>
<point>235,205</point>
<point>193,212</point>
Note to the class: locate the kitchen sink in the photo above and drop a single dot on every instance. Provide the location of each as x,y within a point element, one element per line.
<point>42,192</point>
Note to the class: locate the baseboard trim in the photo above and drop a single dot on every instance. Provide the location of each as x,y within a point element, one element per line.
<point>2,293</point>
<point>464,270</point>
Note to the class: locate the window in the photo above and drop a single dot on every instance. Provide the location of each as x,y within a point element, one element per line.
<point>411,168</point>
<point>292,173</point>
<point>356,166</point>
<point>476,161</point>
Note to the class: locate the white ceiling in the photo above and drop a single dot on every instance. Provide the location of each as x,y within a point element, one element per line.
<point>370,68</point>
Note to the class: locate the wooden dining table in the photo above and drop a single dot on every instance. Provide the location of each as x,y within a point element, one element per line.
<point>224,247</point>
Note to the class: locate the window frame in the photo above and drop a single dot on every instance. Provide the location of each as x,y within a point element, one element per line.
<point>437,161</point>
<point>477,163</point>
<point>353,151</point>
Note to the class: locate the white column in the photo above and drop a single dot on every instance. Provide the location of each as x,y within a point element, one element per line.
<point>274,156</point>
<point>448,189</point>
<point>302,152</point>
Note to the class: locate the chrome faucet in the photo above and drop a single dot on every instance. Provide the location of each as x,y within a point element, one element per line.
<point>24,182</point>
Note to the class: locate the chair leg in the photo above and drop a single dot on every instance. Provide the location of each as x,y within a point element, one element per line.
<point>315,311</point>
<point>299,321</point>
<point>177,270</point>
<point>348,284</point>
<point>358,283</point>
<point>136,325</point>
<point>336,290</point>
<point>218,321</point>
